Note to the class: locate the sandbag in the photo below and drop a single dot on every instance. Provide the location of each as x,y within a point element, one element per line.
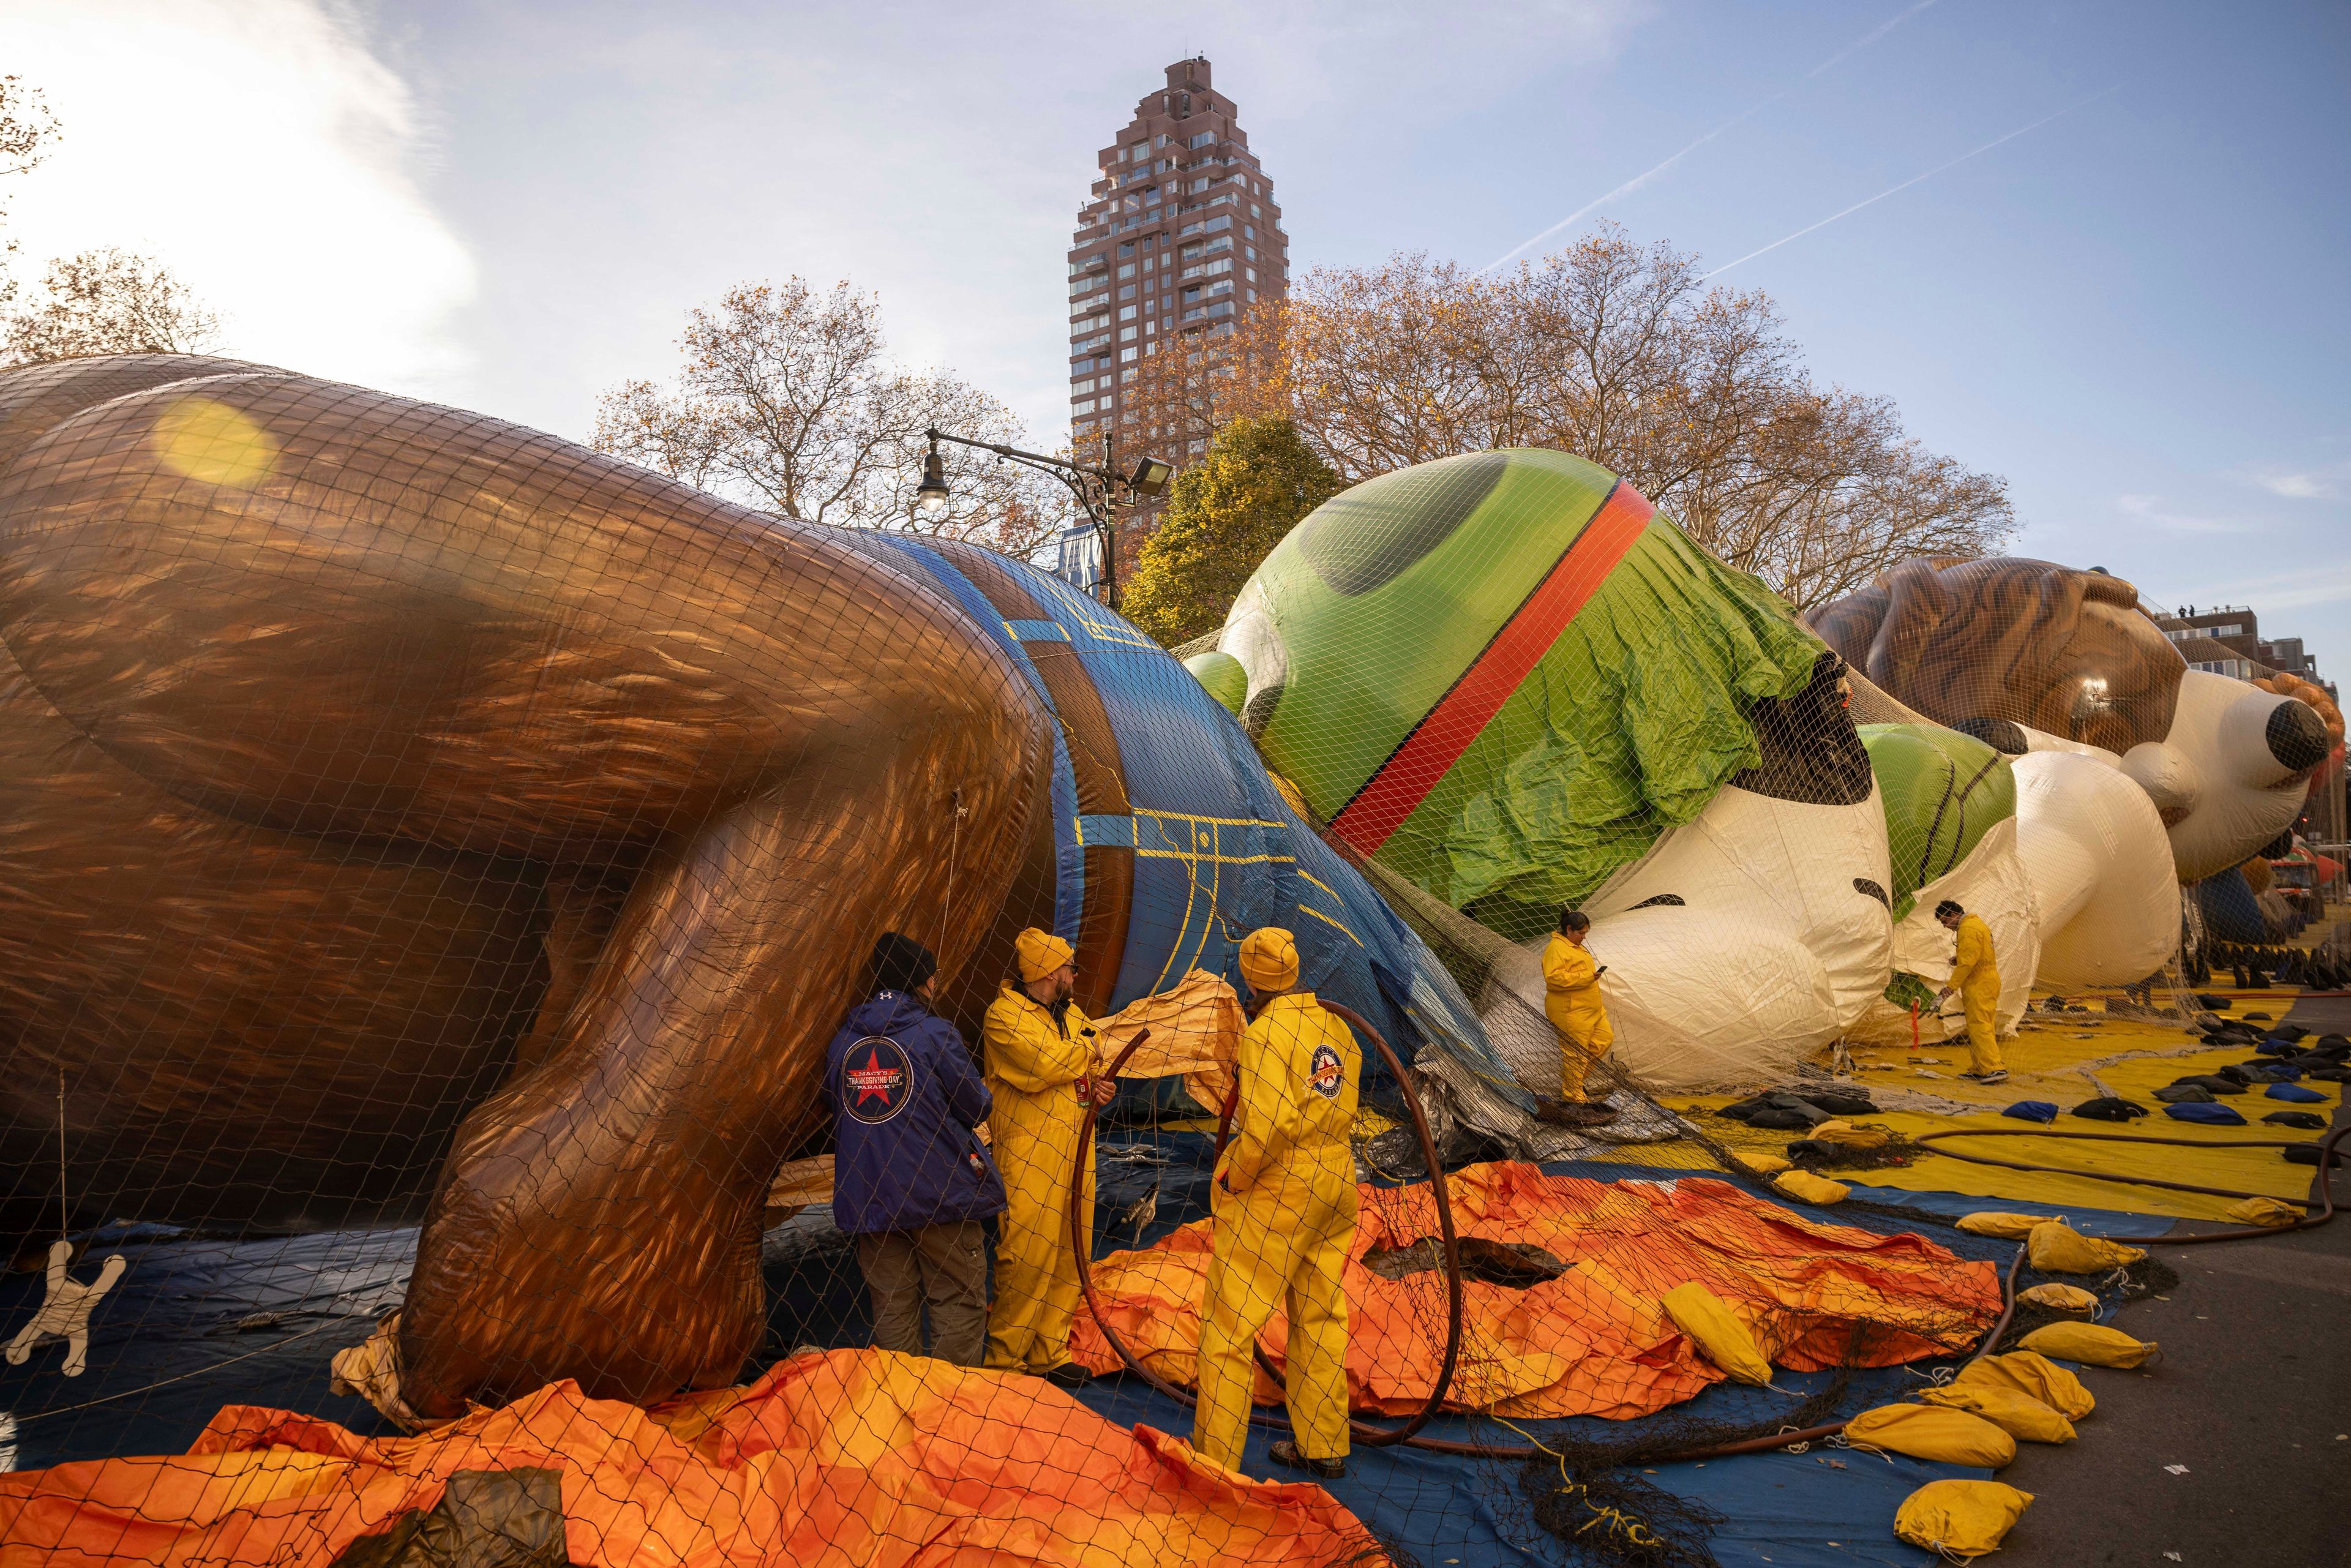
<point>2184,1094</point>
<point>2210,1082</point>
<point>1837,1101</point>
<point>1843,1136</point>
<point>2294,1092</point>
<point>2109,1108</point>
<point>2206,1115</point>
<point>2056,1248</point>
<point>1960,1519</point>
<point>2302,1120</point>
<point>1719,1335</point>
<point>2005,1226</point>
<point>2265,1211</point>
<point>2093,1344</point>
<point>2034,1374</point>
<point>1807,1187</point>
<point>2308,1154</point>
<point>2018,1415</point>
<point>2061,1299</point>
<point>1762,1164</point>
<point>2032,1110</point>
<point>1932,1432</point>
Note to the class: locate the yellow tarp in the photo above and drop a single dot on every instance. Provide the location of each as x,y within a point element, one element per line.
<point>2045,1061</point>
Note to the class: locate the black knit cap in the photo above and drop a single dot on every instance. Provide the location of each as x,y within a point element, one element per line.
<point>901,963</point>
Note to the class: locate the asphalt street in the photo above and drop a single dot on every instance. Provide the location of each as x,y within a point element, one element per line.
<point>2232,1450</point>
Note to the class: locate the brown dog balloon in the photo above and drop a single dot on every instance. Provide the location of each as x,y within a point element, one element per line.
<point>395,801</point>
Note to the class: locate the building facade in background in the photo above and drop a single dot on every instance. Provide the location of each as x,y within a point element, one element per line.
<point>2229,642</point>
<point>1178,236</point>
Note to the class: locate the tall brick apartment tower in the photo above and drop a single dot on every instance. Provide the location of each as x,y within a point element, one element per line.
<point>1179,233</point>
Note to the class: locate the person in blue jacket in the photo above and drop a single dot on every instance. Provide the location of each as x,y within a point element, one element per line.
<point>911,1181</point>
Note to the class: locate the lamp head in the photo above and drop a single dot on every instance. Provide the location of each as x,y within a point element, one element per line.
<point>932,496</point>
<point>1150,477</point>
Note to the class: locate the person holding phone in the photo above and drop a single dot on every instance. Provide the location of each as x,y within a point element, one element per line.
<point>1573,1003</point>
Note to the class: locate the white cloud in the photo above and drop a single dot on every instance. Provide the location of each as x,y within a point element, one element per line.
<point>259,150</point>
<point>2297,485</point>
<point>2150,509</point>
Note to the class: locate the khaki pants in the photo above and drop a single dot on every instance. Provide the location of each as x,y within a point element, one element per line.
<point>942,1267</point>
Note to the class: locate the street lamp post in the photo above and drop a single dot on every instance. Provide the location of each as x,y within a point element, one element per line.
<point>1100,490</point>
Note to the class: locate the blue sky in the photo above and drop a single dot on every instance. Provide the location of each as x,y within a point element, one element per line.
<point>2135,311</point>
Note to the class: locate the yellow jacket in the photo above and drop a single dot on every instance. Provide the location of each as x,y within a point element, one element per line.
<point>1031,1063</point>
<point>1572,995</point>
<point>1298,1070</point>
<point>1975,974</point>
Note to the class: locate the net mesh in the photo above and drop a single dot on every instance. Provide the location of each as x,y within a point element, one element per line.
<point>505,947</point>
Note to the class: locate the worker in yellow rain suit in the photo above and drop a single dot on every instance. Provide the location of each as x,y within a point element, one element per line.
<point>1571,1002</point>
<point>1975,975</point>
<point>1040,1048</point>
<point>1284,1202</point>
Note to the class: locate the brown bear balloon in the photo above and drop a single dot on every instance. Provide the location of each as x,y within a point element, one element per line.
<point>396,802</point>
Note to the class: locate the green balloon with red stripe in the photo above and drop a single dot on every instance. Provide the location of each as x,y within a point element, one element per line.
<point>1503,675</point>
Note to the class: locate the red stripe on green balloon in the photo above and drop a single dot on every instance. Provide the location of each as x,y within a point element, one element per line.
<point>1444,732</point>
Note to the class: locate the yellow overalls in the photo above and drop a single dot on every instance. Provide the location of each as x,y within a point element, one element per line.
<point>1572,1001</point>
<point>1976,976</point>
<point>1033,1066</point>
<point>1285,1211</point>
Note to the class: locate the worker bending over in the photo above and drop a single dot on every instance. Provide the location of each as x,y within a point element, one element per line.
<point>1975,975</point>
<point>1571,1002</point>
<point>1284,1202</point>
<point>911,1180</point>
<point>1039,1050</point>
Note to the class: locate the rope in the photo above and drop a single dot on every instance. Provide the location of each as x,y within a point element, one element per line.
<point>22,1417</point>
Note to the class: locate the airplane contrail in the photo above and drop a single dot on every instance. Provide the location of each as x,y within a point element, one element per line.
<point>1638,181</point>
<point>1896,189</point>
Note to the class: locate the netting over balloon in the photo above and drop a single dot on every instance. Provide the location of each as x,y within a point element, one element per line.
<point>553,1017</point>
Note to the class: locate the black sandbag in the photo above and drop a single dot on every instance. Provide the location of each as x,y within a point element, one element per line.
<point>2211,1003</point>
<point>2308,1154</point>
<point>1780,1119</point>
<point>2110,1108</point>
<point>2333,1042</point>
<point>1836,1101</point>
<point>2184,1094</point>
<point>2329,1074</point>
<point>2257,1017</point>
<point>2212,1082</point>
<point>2288,1031</point>
<point>2233,1073</point>
<point>2302,1119</point>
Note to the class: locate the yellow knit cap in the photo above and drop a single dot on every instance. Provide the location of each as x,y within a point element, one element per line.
<point>1270,959</point>
<point>1039,954</point>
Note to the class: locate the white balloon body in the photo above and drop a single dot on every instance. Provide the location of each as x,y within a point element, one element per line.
<point>2099,862</point>
<point>1772,952</point>
<point>1990,883</point>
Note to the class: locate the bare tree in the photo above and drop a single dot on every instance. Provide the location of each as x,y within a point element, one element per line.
<point>1615,352</point>
<point>789,401</point>
<point>26,128</point>
<point>108,302</point>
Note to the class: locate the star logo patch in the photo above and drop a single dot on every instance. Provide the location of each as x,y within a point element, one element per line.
<point>876,1080</point>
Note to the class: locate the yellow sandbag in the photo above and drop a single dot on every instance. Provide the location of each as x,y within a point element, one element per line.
<point>2088,1343</point>
<point>1810,1188</point>
<point>1960,1519</point>
<point>1764,1165</point>
<point>2018,1415</point>
<point>2032,1373</point>
<point>2006,1227</point>
<point>1845,1136</point>
<point>1719,1335</point>
<point>1929,1432</point>
<point>2061,1299</point>
<point>2056,1248</point>
<point>2265,1211</point>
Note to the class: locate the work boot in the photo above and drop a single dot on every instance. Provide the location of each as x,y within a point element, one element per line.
<point>1069,1374</point>
<point>1285,1453</point>
<point>1997,1075</point>
<point>1572,1113</point>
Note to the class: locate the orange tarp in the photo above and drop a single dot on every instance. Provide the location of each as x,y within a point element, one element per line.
<point>1592,1342</point>
<point>853,1457</point>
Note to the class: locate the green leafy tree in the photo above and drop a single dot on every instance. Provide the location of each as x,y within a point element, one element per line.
<point>1225,514</point>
